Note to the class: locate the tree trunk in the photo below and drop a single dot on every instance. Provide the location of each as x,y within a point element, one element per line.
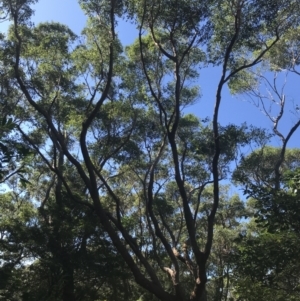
<point>68,282</point>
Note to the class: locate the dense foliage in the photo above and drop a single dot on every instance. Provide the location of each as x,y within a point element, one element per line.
<point>111,191</point>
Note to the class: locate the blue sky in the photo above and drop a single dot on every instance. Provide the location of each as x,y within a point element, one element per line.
<point>233,109</point>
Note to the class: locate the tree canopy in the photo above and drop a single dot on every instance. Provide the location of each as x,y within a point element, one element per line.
<point>114,192</point>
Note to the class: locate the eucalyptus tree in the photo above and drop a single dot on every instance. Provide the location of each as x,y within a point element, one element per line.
<point>57,251</point>
<point>118,121</point>
<point>229,223</point>
<point>266,256</point>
